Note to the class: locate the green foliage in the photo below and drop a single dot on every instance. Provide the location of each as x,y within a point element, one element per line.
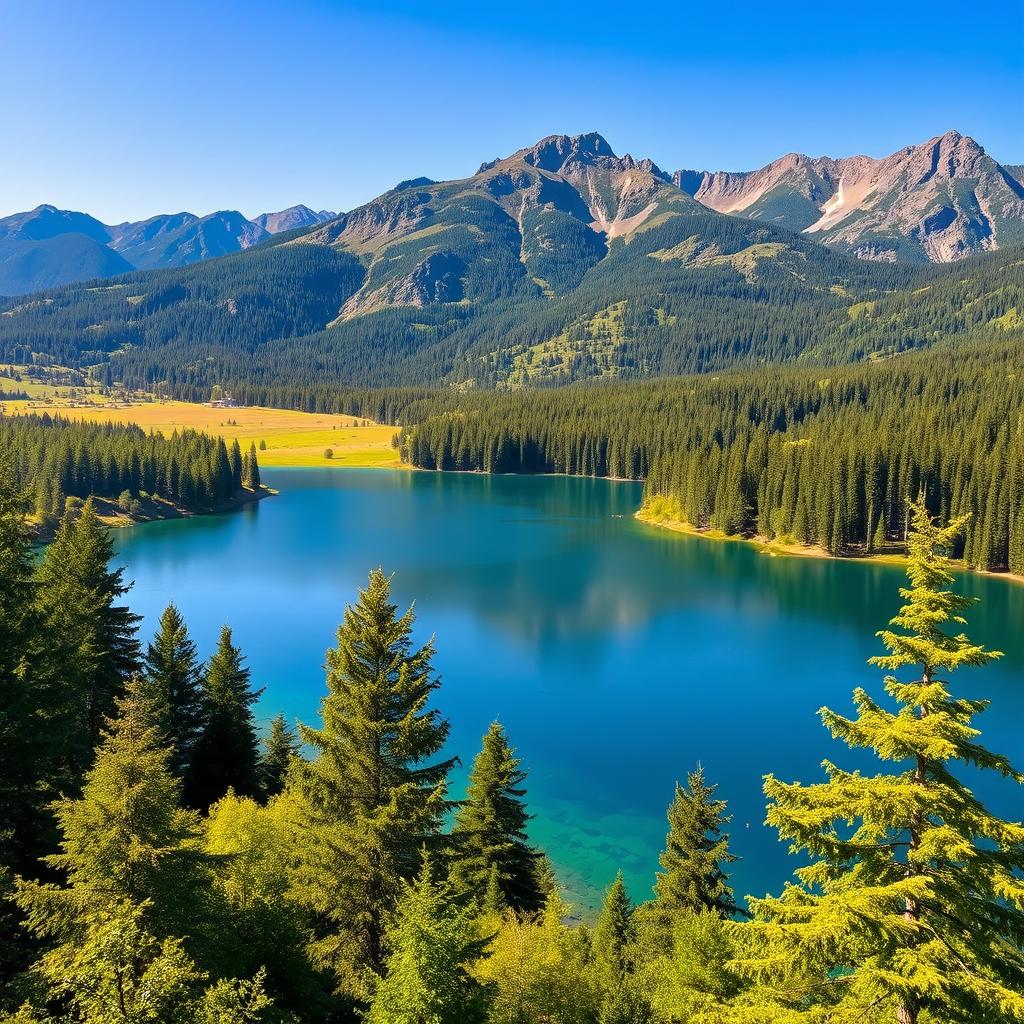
<point>696,850</point>
<point>279,747</point>
<point>373,796</point>
<point>125,840</point>
<point>91,647</point>
<point>913,904</point>
<point>781,453</point>
<point>434,945</point>
<point>691,982</point>
<point>55,458</point>
<point>227,751</point>
<point>489,837</point>
<point>174,679</point>
<point>538,970</point>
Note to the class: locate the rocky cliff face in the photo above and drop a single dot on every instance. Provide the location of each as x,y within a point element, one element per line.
<point>938,201</point>
<point>552,208</point>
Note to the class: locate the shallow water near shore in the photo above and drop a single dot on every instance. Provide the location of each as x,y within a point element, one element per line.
<point>616,654</point>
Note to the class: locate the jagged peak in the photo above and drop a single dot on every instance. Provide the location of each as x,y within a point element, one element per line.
<point>553,152</point>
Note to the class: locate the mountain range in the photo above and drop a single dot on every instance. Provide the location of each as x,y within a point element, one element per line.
<point>560,262</point>
<point>46,246</point>
<point>935,202</point>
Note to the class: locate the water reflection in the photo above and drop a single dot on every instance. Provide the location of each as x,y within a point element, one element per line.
<point>616,654</point>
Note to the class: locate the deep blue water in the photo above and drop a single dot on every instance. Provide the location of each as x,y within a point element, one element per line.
<point>616,655</point>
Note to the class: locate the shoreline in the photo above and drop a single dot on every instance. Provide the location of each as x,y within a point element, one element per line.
<point>156,510</point>
<point>774,548</point>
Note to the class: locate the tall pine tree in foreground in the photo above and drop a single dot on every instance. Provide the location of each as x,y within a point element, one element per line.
<point>91,647</point>
<point>913,909</point>
<point>174,678</point>
<point>434,943</point>
<point>125,841</point>
<point>22,739</point>
<point>692,877</point>
<point>227,751</point>
<point>490,830</point>
<point>374,795</point>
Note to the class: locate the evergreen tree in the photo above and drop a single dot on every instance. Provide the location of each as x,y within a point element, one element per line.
<point>612,935</point>
<point>913,908</point>
<point>91,649</point>
<point>173,677</point>
<point>21,736</point>
<point>227,750</point>
<point>696,848</point>
<point>279,747</point>
<point>251,471</point>
<point>434,945</point>
<point>373,796</point>
<point>490,829</point>
<point>125,841</point>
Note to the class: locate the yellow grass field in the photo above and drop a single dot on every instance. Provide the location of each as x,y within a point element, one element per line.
<point>292,438</point>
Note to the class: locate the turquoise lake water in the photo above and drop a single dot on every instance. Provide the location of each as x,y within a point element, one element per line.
<point>617,655</point>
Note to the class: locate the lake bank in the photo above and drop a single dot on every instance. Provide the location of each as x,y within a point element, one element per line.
<point>775,548</point>
<point>153,509</point>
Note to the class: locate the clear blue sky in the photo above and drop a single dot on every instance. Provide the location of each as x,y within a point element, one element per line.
<point>126,109</point>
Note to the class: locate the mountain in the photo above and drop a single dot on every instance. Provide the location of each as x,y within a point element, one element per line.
<point>561,262</point>
<point>938,201</point>
<point>46,246</point>
<point>294,217</point>
<point>177,239</point>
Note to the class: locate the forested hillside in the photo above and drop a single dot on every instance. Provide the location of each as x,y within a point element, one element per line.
<point>820,457</point>
<point>161,862</point>
<point>562,262</point>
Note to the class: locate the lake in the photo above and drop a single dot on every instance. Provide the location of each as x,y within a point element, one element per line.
<point>617,655</point>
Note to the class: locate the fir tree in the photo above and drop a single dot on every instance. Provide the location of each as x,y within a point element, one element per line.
<point>913,906</point>
<point>490,829</point>
<point>227,750</point>
<point>91,648</point>
<point>125,841</point>
<point>373,796</point>
<point>696,848</point>
<point>621,1002</point>
<point>173,677</point>
<point>251,471</point>
<point>22,740</point>
<point>279,747</point>
<point>434,945</point>
<point>611,938</point>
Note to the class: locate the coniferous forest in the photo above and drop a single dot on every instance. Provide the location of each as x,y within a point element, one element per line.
<point>165,859</point>
<point>827,457</point>
<point>56,459</point>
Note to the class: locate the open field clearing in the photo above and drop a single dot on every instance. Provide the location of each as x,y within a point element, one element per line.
<point>291,438</point>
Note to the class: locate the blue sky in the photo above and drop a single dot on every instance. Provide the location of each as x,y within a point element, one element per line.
<point>130,109</point>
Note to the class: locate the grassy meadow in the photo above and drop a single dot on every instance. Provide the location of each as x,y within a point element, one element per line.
<point>291,438</point>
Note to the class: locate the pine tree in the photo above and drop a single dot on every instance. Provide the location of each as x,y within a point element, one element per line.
<point>434,944</point>
<point>91,649</point>
<point>490,829</point>
<point>22,740</point>
<point>173,676</point>
<point>251,470</point>
<point>227,750</point>
<point>126,840</point>
<point>612,935</point>
<point>912,909</point>
<point>279,747</point>
<point>696,849</point>
<point>373,796</point>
